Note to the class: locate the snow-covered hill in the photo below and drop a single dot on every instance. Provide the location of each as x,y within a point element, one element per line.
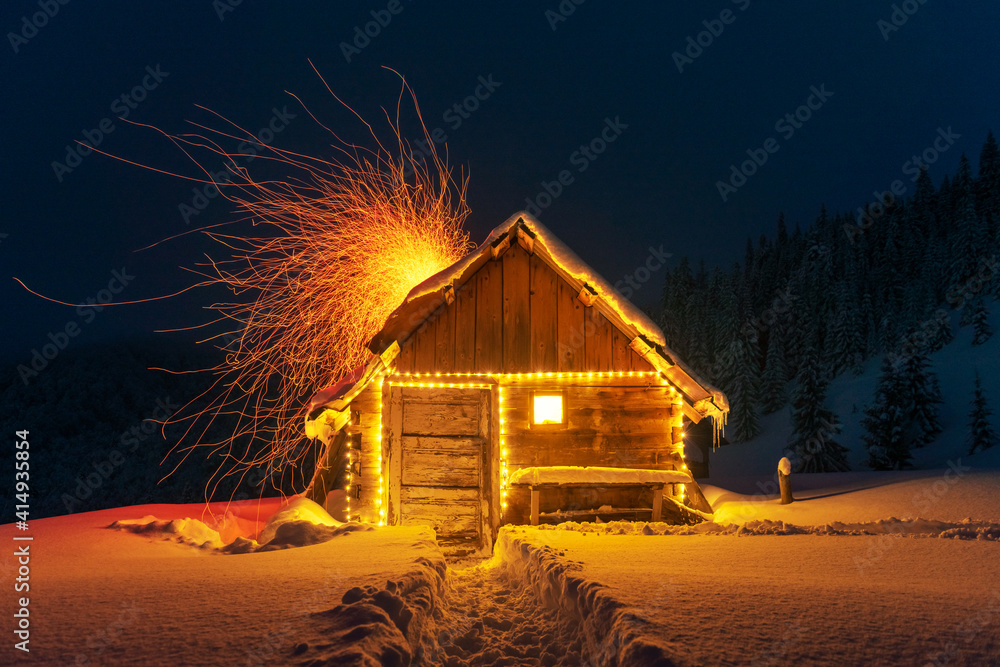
<point>849,395</point>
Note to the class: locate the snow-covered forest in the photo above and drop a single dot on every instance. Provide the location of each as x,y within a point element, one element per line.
<point>892,280</point>
<point>103,407</point>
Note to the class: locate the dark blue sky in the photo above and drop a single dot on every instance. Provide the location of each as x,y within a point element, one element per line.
<point>654,185</point>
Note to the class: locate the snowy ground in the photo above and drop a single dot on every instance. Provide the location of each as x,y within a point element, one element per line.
<point>864,568</point>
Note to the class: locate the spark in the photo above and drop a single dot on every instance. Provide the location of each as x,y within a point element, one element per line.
<point>335,248</point>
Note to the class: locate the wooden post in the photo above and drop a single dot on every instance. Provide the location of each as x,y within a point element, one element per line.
<point>393,467</point>
<point>785,480</point>
<point>534,506</point>
<point>657,502</point>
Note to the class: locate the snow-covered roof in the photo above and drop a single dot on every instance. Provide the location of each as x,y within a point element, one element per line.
<point>700,398</point>
<point>562,256</point>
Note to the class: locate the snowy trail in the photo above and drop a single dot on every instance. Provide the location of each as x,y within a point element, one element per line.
<point>494,619</point>
<point>485,614</point>
<point>526,606</point>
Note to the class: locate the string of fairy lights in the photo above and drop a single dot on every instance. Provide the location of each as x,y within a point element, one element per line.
<point>502,382</point>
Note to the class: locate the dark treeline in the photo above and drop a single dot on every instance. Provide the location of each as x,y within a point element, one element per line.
<point>94,419</point>
<point>892,279</point>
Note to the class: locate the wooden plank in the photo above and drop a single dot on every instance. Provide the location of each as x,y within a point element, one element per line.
<point>444,339</point>
<point>563,379</point>
<point>491,465</point>
<point>421,418</point>
<point>446,517</point>
<point>638,363</point>
<point>650,460</point>
<point>597,353</point>
<point>486,481</point>
<point>464,501</point>
<point>465,327</point>
<point>453,395</point>
<point>393,436</point>
<point>489,318</point>
<point>598,420</point>
<point>456,445</point>
<point>440,496</point>
<point>422,467</point>
<point>591,485</point>
<point>403,363</point>
<point>544,316</point>
<point>620,350</point>
<point>534,506</point>
<point>590,396</point>
<point>609,398</point>
<point>369,424</point>
<point>516,313</point>
<point>570,325</point>
<point>445,526</point>
<point>424,346</point>
<point>369,399</point>
<point>619,451</point>
<point>657,503</point>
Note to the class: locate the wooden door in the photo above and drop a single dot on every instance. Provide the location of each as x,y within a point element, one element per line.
<point>440,464</point>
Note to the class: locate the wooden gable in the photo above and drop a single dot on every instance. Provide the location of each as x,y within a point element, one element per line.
<point>516,314</point>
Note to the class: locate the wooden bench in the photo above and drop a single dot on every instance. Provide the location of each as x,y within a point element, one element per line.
<point>553,477</point>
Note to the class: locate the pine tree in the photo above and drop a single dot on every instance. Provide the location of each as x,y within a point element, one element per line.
<point>942,333</point>
<point>677,293</point>
<point>884,422</point>
<point>772,383</point>
<point>968,237</point>
<point>813,426</point>
<point>847,348</point>
<point>980,318</point>
<point>922,206</point>
<point>869,323</point>
<point>981,433</point>
<point>920,398</point>
<point>740,366</point>
<point>988,187</point>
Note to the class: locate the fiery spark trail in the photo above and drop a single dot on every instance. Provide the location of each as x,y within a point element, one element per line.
<point>335,248</point>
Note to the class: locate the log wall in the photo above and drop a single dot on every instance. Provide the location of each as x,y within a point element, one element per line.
<point>366,417</point>
<point>609,421</point>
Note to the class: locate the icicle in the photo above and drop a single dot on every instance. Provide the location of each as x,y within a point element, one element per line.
<point>718,428</point>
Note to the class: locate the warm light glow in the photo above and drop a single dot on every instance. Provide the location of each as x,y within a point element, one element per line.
<point>548,408</point>
<point>350,472</point>
<point>324,249</point>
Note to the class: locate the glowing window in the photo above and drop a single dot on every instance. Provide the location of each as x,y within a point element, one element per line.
<point>548,408</point>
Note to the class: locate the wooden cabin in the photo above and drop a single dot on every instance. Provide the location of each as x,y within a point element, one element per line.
<point>502,389</point>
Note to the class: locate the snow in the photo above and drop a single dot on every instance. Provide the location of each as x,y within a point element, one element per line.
<point>800,599</point>
<point>863,568</point>
<point>950,494</point>
<point>785,466</point>
<point>596,475</point>
<point>110,597</point>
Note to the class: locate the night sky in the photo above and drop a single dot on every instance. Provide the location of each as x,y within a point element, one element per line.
<point>559,75</point>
